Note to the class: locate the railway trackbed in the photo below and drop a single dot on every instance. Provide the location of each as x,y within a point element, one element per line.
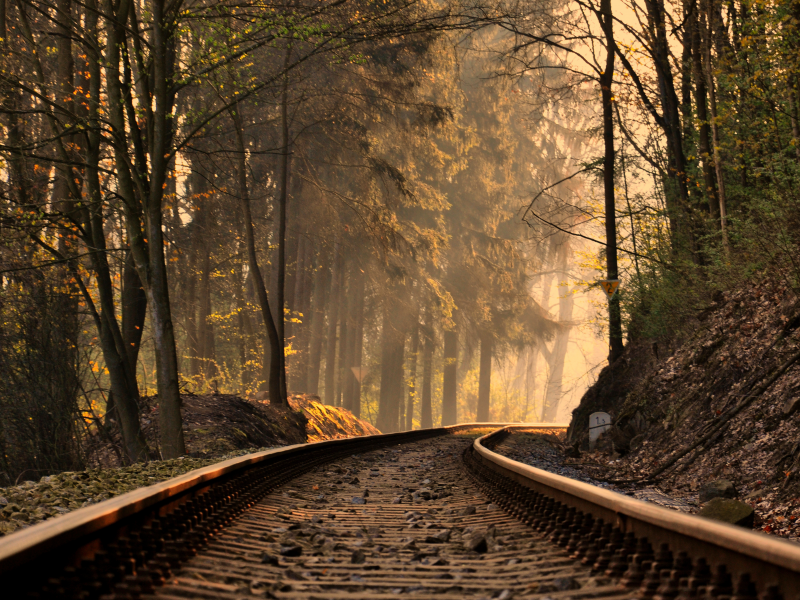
<point>424,514</point>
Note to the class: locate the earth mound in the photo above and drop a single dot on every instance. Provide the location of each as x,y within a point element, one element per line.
<point>216,427</point>
<point>218,424</point>
<point>329,422</point>
<point>213,425</point>
<point>721,404</point>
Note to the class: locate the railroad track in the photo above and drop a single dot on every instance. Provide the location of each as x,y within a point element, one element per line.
<point>423,514</point>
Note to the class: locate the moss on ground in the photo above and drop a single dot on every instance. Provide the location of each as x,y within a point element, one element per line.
<point>52,496</point>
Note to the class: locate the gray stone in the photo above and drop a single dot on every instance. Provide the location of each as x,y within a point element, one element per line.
<point>293,550</point>
<point>477,543</point>
<point>268,559</point>
<point>721,488</point>
<point>729,511</point>
<point>637,442</point>
<point>791,405</point>
<point>439,538</point>
<point>562,584</point>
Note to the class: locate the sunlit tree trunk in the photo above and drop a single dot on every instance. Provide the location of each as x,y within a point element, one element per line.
<point>300,330</point>
<point>425,405</point>
<point>333,322</point>
<point>344,338</point>
<point>449,384</point>
<point>321,287</point>
<point>392,350</point>
<point>485,376</point>
<point>358,341</point>
<point>413,360</point>
<point>557,359</point>
<point>355,304</point>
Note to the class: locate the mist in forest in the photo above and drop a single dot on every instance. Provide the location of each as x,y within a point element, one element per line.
<point>406,209</point>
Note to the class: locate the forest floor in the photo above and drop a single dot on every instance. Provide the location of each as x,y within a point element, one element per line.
<point>216,428</point>
<point>728,394</point>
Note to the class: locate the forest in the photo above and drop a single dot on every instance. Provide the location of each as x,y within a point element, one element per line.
<point>403,207</point>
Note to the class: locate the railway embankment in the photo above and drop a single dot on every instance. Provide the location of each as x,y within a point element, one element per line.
<point>718,407</point>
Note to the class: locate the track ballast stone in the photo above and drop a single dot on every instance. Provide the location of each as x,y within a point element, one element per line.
<point>399,522</point>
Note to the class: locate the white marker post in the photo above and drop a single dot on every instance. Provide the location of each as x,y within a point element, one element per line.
<point>599,423</point>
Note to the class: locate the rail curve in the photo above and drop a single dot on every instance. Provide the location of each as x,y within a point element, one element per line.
<point>233,530</point>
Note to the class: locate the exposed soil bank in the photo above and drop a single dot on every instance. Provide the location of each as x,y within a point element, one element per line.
<point>730,392</point>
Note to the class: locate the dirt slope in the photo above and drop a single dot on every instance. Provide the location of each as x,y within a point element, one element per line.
<point>216,427</point>
<point>664,402</point>
<point>329,422</point>
<point>218,424</point>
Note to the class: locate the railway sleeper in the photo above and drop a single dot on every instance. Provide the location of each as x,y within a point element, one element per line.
<point>184,547</point>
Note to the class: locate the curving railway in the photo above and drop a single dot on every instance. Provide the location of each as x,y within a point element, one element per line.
<point>431,514</point>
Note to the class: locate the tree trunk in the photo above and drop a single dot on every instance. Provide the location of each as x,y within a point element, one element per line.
<point>290,286</point>
<point>412,375</point>
<point>358,341</point>
<point>531,364</point>
<point>794,114</point>
<point>170,424</point>
<point>65,87</point>
<point>669,101</point>
<point>606,80</point>
<point>134,311</point>
<point>392,350</point>
<point>344,340</point>
<point>276,391</point>
<point>449,394</point>
<point>355,302</point>
<point>246,336</point>
<point>205,330</point>
<point>557,357</point>
<point>282,204</point>
<point>333,322</point>
<point>701,103</point>
<point>120,361</point>
<point>299,330</point>
<point>321,287</point>
<point>723,216</point>
<point>425,408</point>
<point>197,249</point>
<point>485,377</point>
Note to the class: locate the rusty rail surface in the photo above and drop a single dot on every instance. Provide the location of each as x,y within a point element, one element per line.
<point>84,543</point>
<point>142,544</point>
<point>691,552</point>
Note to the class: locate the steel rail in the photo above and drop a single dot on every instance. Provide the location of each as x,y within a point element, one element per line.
<point>72,540</point>
<point>771,563</point>
<point>659,552</point>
